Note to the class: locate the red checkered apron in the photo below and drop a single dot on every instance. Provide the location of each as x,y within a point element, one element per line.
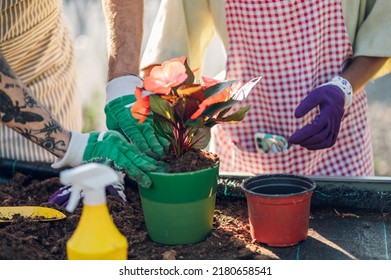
<point>296,46</point>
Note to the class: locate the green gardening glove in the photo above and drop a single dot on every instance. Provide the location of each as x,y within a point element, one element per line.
<point>119,100</point>
<point>112,149</point>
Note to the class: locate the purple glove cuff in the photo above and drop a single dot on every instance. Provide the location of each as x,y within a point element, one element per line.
<point>345,87</point>
<point>61,197</point>
<point>116,189</point>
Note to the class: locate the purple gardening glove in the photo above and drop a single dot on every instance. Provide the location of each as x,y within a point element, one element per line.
<point>61,197</point>
<point>331,98</point>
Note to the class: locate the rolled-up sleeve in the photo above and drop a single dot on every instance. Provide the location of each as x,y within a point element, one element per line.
<point>181,28</point>
<point>374,35</point>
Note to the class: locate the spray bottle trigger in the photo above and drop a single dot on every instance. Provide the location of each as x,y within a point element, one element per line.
<point>92,177</point>
<point>73,199</point>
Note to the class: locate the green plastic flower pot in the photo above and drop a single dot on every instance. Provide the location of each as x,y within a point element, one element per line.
<point>178,207</point>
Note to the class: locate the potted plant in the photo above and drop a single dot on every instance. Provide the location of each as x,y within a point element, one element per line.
<point>179,206</point>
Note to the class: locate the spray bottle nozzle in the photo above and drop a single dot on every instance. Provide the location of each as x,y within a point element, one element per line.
<point>92,179</point>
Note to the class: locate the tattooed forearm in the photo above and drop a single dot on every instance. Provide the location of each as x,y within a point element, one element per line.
<point>48,141</point>
<point>51,143</point>
<point>14,112</point>
<point>20,111</point>
<point>30,101</point>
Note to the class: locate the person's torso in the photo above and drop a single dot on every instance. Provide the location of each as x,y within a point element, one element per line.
<point>296,46</point>
<point>35,41</point>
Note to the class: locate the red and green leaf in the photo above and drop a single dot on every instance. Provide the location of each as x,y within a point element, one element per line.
<point>161,107</point>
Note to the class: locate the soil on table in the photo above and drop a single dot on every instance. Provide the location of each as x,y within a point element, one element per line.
<point>26,239</point>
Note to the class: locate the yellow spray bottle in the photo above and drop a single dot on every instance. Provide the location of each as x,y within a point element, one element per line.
<point>96,236</point>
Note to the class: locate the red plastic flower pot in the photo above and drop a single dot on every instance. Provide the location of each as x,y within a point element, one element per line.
<point>278,208</point>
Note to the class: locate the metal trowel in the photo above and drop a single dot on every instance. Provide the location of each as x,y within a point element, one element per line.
<point>9,214</point>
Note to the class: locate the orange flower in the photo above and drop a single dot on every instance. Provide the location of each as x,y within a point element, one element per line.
<point>141,108</point>
<point>178,101</point>
<point>170,74</point>
<point>208,82</point>
<point>220,97</point>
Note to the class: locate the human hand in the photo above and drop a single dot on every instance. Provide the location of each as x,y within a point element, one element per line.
<point>119,118</point>
<point>61,197</point>
<point>323,131</point>
<point>112,149</point>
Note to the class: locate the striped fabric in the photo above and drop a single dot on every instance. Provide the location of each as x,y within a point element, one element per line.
<point>37,45</point>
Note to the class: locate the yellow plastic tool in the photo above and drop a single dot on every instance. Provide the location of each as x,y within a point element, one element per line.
<point>35,213</point>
